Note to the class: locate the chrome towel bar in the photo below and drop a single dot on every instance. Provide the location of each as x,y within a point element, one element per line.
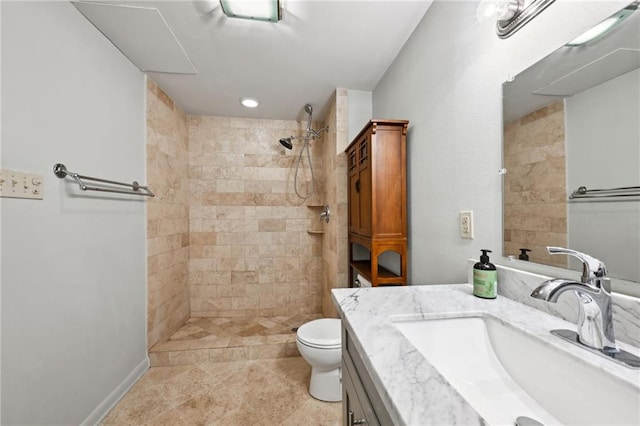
<point>583,192</point>
<point>61,171</point>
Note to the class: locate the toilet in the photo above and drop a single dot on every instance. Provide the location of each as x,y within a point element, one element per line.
<point>319,343</point>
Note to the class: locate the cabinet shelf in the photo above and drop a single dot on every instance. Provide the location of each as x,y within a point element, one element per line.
<point>385,276</point>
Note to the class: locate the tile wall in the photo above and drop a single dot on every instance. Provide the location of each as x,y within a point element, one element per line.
<point>335,253</point>
<point>227,236</point>
<point>167,216</point>
<point>535,210</point>
<point>250,252</point>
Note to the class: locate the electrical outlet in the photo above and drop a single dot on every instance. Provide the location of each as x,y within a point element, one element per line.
<point>466,225</point>
<point>21,185</point>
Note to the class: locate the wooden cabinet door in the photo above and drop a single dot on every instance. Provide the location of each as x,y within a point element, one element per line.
<point>389,182</point>
<point>353,194</point>
<point>359,164</point>
<point>364,185</point>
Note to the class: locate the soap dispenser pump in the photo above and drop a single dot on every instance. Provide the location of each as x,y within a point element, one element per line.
<point>524,254</point>
<point>485,277</point>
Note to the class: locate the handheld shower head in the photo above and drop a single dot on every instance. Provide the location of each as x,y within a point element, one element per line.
<point>309,109</point>
<point>286,142</point>
<point>309,136</point>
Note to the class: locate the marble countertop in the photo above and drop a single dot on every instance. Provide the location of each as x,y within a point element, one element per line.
<point>413,391</point>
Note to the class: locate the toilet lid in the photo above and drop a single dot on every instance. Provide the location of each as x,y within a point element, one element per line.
<point>323,332</point>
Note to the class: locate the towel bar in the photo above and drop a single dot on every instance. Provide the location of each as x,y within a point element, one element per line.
<point>61,171</point>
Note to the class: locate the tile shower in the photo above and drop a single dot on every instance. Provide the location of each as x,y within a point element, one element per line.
<point>228,244</point>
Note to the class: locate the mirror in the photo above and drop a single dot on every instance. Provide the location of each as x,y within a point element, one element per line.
<point>573,120</point>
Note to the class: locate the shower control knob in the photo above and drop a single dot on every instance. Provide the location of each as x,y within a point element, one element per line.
<point>326,214</point>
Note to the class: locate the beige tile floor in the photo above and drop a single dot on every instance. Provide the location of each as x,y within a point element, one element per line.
<point>255,392</point>
<point>230,339</point>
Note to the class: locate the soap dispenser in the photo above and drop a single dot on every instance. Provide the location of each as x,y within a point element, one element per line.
<point>524,254</point>
<point>485,277</point>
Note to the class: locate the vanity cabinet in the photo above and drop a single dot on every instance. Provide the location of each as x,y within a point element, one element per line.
<point>376,163</point>
<point>361,404</point>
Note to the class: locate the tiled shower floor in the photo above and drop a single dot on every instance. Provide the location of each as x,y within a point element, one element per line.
<point>230,339</point>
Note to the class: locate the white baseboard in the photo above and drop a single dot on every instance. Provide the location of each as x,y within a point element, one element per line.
<point>98,414</point>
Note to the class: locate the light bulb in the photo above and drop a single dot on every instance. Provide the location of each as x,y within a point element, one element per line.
<point>249,102</point>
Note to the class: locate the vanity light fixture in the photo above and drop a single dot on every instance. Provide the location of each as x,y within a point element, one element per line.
<point>257,10</point>
<point>604,27</point>
<point>249,102</point>
<point>514,14</point>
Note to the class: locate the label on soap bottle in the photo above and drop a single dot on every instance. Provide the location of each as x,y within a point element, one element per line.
<point>485,284</point>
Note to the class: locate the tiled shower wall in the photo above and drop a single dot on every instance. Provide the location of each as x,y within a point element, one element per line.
<point>535,210</point>
<point>167,216</point>
<point>250,250</point>
<point>335,256</point>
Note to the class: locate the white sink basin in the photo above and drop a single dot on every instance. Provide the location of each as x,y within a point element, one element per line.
<point>505,373</point>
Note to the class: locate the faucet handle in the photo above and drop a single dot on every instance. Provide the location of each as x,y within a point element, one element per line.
<point>591,267</point>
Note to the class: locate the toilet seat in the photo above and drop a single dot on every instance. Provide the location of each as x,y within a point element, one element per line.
<point>318,346</point>
<point>321,334</point>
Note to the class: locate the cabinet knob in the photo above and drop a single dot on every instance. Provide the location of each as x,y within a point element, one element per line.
<point>351,421</point>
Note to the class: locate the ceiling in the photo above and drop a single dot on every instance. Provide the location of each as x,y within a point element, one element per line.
<point>317,46</point>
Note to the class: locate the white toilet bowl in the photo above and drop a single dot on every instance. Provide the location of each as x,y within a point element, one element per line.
<point>319,343</point>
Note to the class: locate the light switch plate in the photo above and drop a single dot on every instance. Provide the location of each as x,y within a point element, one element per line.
<point>466,224</point>
<point>21,185</point>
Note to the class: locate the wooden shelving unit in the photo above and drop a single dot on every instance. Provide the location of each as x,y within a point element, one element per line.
<point>376,161</point>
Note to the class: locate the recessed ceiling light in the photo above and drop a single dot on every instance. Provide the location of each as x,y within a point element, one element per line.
<point>249,102</point>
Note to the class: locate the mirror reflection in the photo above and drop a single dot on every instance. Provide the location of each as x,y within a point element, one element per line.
<point>573,120</point>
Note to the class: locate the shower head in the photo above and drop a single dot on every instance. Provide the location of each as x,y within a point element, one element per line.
<point>286,142</point>
<point>311,134</point>
<point>309,109</point>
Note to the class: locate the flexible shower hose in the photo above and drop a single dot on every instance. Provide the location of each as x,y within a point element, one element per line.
<point>295,176</point>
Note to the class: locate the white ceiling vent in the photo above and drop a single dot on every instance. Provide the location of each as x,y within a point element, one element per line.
<point>141,34</point>
<point>609,66</point>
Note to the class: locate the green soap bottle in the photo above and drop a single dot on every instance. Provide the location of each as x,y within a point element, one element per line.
<point>485,277</point>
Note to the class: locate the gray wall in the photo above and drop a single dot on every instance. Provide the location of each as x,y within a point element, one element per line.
<point>359,111</point>
<point>602,135</point>
<point>73,265</point>
<point>447,81</point>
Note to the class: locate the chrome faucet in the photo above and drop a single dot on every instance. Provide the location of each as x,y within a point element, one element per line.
<point>595,312</point>
<point>595,315</point>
